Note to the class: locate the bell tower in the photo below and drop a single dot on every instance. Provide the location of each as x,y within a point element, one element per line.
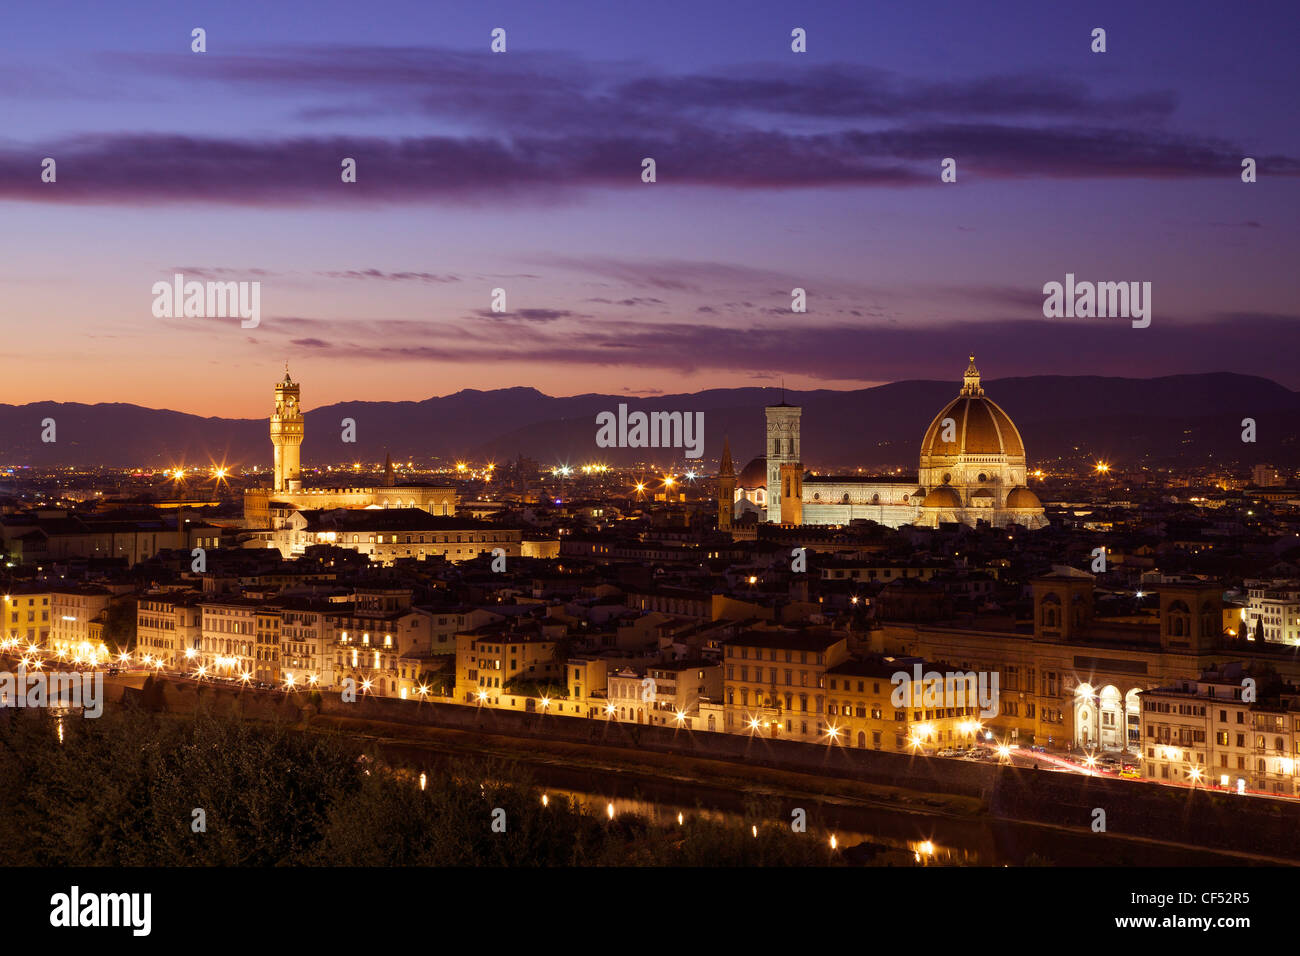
<point>287,434</point>
<point>726,488</point>
<point>791,489</point>
<point>782,449</point>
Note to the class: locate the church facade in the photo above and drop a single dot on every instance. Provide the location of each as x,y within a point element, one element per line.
<point>972,468</point>
<point>271,507</point>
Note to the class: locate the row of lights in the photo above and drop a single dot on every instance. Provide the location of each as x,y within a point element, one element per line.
<point>482,695</point>
<point>219,662</point>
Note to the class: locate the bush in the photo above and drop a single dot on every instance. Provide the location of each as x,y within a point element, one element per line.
<point>122,790</point>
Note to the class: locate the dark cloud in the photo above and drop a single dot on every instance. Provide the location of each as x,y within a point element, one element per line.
<point>390,276</point>
<point>853,92</point>
<point>216,272</point>
<point>526,315</point>
<point>538,90</point>
<point>633,302</point>
<point>540,127</point>
<point>673,275</point>
<point>142,168</point>
<point>873,352</point>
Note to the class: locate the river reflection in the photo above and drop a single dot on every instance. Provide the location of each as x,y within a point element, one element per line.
<point>667,814</point>
<point>910,832</point>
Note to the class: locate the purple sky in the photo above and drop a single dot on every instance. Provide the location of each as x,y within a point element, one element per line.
<point>522,171</point>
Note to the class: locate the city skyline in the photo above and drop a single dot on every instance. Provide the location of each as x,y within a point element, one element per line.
<point>590,436</point>
<point>521,171</point>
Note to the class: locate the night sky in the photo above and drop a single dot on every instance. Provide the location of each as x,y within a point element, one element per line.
<point>522,170</point>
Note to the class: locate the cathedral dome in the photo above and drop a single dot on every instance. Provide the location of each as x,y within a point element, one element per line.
<point>980,426</point>
<point>754,475</point>
<point>1022,497</point>
<point>942,497</point>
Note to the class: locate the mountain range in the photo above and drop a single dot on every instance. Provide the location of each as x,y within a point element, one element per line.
<point>1174,419</point>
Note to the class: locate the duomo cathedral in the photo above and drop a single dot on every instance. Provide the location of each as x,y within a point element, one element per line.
<point>972,468</point>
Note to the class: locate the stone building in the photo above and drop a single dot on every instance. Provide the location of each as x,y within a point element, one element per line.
<point>972,468</point>
<point>287,492</point>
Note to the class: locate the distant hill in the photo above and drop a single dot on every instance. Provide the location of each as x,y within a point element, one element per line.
<point>1192,418</point>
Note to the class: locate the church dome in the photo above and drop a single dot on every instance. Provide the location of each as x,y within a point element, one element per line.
<point>754,474</point>
<point>980,426</point>
<point>941,497</point>
<point>1022,497</point>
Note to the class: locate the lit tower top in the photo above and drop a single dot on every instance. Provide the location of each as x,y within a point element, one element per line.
<point>972,384</point>
<point>726,488</point>
<point>286,434</point>
<point>727,469</point>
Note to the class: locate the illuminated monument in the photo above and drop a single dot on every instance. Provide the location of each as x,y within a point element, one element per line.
<point>972,469</point>
<point>286,435</point>
<point>271,507</point>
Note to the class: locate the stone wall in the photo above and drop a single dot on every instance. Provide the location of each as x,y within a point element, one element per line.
<point>1212,819</point>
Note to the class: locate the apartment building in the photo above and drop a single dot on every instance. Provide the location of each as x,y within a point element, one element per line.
<point>869,708</point>
<point>229,635</point>
<point>1211,731</point>
<point>308,655</point>
<point>26,619</point>
<point>490,659</point>
<point>775,681</point>
<point>167,626</point>
<point>676,690</point>
<point>1272,611</point>
<point>266,649</point>
<point>373,633</point>
<point>73,612</point>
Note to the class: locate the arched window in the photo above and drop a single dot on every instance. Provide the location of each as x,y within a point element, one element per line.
<point>1179,620</point>
<point>1051,611</point>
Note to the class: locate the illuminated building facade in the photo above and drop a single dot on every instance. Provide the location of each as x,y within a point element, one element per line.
<point>972,468</point>
<point>268,507</point>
